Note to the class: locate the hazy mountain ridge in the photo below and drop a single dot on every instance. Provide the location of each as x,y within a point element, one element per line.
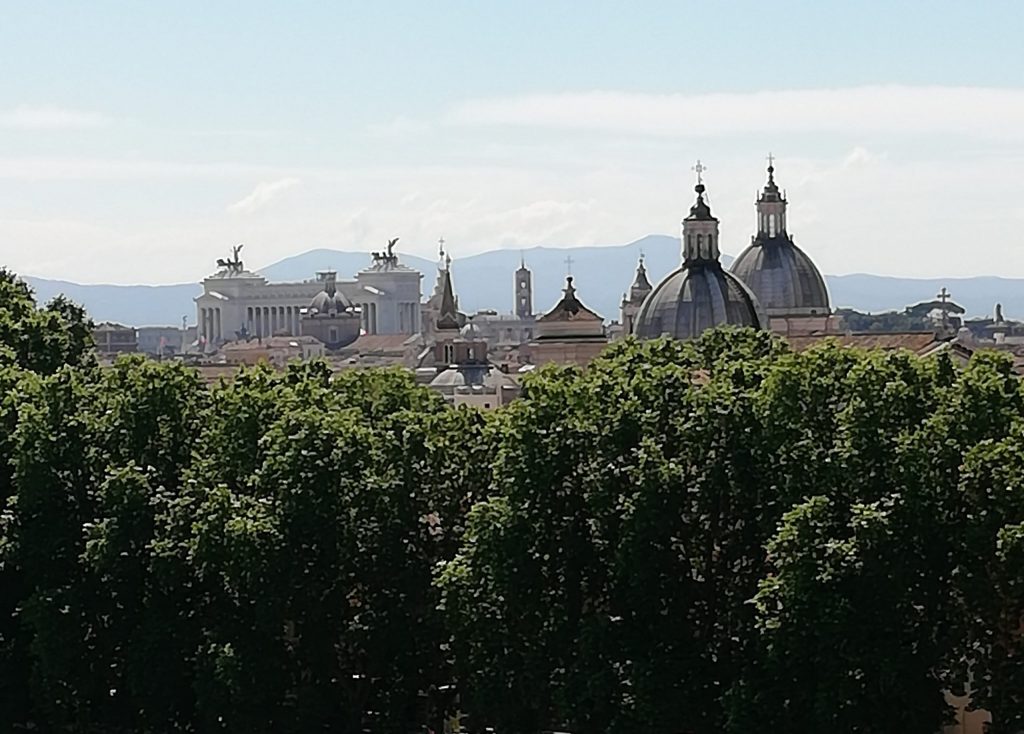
<point>602,274</point>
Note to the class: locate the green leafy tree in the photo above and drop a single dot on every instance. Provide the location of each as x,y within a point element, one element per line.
<point>41,340</point>
<point>605,582</point>
<point>992,579</point>
<point>98,453</point>
<point>314,521</point>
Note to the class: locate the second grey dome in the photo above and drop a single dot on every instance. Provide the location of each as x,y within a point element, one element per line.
<point>782,276</point>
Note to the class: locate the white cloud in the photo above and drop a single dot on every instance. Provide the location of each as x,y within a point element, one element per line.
<point>855,207</point>
<point>973,111</point>
<point>25,117</point>
<point>127,169</point>
<point>400,127</point>
<point>262,195</point>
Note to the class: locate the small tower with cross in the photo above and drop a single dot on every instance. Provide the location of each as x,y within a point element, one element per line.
<point>771,207</point>
<point>700,228</point>
<point>631,302</point>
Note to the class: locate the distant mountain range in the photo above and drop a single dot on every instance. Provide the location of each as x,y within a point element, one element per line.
<point>484,281</point>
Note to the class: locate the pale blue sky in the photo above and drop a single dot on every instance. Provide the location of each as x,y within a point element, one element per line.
<point>138,141</point>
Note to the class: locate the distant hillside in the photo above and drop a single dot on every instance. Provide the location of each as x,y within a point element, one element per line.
<point>346,264</point>
<point>485,280</point>
<point>602,274</point>
<point>138,305</point>
<point>884,293</point>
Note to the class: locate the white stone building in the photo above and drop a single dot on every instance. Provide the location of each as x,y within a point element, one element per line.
<point>238,303</point>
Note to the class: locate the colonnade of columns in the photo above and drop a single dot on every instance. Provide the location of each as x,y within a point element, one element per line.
<point>369,317</point>
<point>263,321</point>
<point>408,318</point>
<point>210,327</point>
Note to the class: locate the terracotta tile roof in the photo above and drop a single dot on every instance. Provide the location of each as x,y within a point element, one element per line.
<point>570,308</point>
<point>914,341</point>
<point>371,343</point>
<point>272,342</point>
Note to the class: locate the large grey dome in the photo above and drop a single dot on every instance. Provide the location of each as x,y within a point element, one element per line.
<point>783,277</point>
<point>696,297</point>
<point>701,294</point>
<point>779,273</point>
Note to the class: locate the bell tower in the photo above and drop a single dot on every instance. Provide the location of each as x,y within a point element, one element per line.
<point>523,289</point>
<point>630,307</point>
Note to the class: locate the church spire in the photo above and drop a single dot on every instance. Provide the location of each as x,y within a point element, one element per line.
<point>448,309</point>
<point>700,228</point>
<point>641,285</point>
<point>771,207</point>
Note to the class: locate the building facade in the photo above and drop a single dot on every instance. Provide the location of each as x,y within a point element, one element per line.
<point>165,341</point>
<point>330,317</point>
<point>237,303</point>
<point>570,333</point>
<point>112,339</point>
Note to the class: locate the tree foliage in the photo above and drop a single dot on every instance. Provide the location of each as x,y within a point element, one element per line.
<point>717,535</point>
<point>41,339</point>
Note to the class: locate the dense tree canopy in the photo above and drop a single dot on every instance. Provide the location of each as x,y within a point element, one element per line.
<point>698,537</point>
<point>40,339</point>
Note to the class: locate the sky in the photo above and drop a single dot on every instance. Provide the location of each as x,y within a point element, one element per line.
<point>140,141</point>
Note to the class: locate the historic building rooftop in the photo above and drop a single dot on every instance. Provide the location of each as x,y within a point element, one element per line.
<point>701,294</point>
<point>781,275</point>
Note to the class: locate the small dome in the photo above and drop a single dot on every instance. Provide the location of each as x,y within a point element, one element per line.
<point>782,276</point>
<point>450,377</point>
<point>696,297</point>
<point>499,380</point>
<point>329,303</point>
<point>471,331</point>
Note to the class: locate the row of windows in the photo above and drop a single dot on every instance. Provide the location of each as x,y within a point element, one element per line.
<point>700,242</point>
<point>770,225</point>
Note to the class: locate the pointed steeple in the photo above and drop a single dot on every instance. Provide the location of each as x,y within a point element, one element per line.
<point>771,207</point>
<point>641,285</point>
<point>448,309</point>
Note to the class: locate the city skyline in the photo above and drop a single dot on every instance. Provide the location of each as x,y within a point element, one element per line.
<point>139,143</point>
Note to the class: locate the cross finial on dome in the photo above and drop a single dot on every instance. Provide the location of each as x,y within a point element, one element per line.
<point>700,168</point>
